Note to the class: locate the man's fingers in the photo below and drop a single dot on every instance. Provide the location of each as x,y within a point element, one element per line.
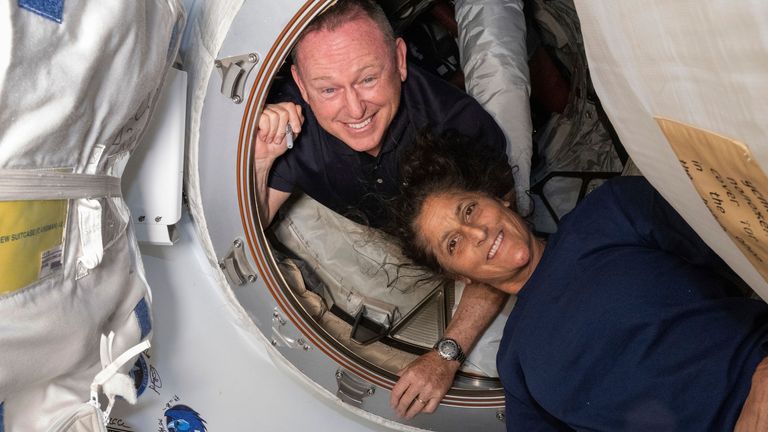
<point>277,117</point>
<point>397,392</point>
<point>421,404</point>
<point>431,405</point>
<point>263,126</point>
<point>268,124</point>
<point>296,119</point>
<point>406,402</point>
<point>272,125</point>
<point>283,119</point>
<point>416,407</point>
<point>288,114</point>
<point>400,387</point>
<point>427,378</point>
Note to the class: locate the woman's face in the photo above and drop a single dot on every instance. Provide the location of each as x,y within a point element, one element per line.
<point>476,237</point>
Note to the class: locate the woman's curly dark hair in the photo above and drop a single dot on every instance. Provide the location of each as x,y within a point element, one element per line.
<point>438,164</point>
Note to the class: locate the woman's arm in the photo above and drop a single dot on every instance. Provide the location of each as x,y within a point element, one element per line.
<point>754,413</point>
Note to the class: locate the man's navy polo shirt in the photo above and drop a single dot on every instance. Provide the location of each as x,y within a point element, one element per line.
<point>356,184</point>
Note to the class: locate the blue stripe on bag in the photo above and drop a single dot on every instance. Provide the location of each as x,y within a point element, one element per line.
<point>2,423</point>
<point>142,315</point>
<point>51,9</point>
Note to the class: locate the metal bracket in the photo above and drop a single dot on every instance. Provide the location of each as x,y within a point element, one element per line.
<point>352,390</point>
<point>234,72</point>
<point>235,265</point>
<point>280,335</point>
<point>373,321</point>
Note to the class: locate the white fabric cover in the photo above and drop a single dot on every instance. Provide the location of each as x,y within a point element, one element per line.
<point>204,35</point>
<point>494,58</point>
<point>76,96</point>
<point>354,261</point>
<point>700,63</point>
<point>87,418</point>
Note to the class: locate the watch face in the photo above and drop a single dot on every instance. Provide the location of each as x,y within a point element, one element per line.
<point>448,349</point>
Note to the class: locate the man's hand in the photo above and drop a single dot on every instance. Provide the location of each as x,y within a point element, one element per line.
<point>422,385</point>
<point>754,413</point>
<point>269,144</point>
<point>270,136</point>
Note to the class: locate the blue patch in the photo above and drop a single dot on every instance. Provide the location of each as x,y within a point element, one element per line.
<point>140,375</point>
<point>181,418</point>
<point>51,9</point>
<point>2,422</point>
<point>142,314</point>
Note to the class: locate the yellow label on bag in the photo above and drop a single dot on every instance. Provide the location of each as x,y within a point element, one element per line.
<point>731,183</point>
<point>31,241</point>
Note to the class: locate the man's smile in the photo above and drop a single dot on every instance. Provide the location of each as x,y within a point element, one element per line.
<point>360,125</point>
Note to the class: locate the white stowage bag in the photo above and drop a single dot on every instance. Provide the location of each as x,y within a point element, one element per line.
<point>494,59</point>
<point>77,88</point>
<point>702,64</point>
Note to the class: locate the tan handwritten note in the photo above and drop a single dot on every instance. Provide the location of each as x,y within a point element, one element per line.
<point>731,183</point>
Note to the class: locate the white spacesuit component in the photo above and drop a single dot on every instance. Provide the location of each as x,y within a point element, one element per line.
<point>78,83</point>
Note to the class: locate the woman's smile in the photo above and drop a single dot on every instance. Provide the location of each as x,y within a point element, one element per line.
<point>495,246</point>
<point>477,238</point>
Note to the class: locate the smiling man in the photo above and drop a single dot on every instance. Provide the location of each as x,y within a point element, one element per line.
<point>354,107</point>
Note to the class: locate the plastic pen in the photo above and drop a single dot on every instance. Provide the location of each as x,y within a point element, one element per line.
<point>288,136</point>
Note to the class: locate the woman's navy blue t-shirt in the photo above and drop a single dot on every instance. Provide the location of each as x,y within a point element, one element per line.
<point>629,324</point>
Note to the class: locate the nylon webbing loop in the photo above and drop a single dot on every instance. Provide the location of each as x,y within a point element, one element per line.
<point>24,185</point>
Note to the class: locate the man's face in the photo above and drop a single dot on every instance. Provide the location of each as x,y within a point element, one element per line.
<point>351,79</point>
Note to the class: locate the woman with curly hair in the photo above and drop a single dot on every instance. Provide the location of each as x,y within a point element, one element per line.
<point>625,319</point>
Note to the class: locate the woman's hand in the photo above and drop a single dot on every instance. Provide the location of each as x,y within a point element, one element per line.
<point>754,413</point>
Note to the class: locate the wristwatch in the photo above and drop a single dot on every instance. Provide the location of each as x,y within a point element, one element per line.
<point>449,349</point>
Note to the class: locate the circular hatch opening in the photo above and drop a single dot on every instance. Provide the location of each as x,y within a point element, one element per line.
<point>372,336</point>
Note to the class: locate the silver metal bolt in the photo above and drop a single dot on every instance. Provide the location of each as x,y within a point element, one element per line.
<point>306,347</point>
<point>251,278</point>
<point>237,99</point>
<point>339,374</point>
<point>253,57</point>
<point>238,243</point>
<point>500,416</point>
<point>370,391</point>
<point>158,218</point>
<point>217,64</point>
<point>222,265</point>
<point>141,218</point>
<point>276,316</point>
<point>274,342</point>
